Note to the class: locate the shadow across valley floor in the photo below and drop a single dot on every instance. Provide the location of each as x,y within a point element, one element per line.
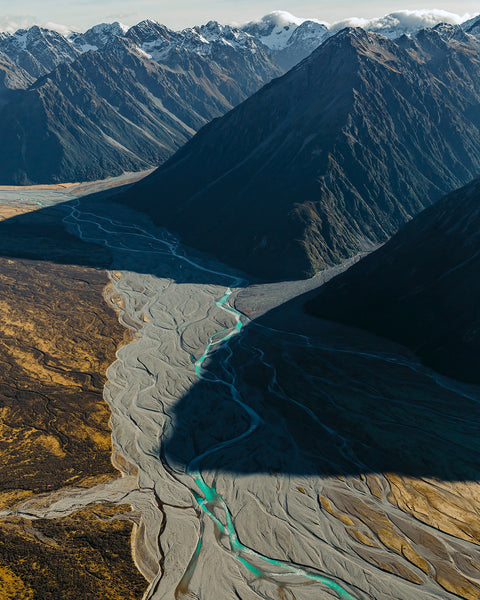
<point>322,399</point>
<point>338,403</point>
<point>82,232</point>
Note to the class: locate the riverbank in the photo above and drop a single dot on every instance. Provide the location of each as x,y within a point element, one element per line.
<point>57,338</point>
<point>298,459</point>
<point>269,454</point>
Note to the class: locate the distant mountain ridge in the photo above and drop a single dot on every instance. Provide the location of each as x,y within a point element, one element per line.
<point>108,106</point>
<point>207,70</point>
<point>289,39</point>
<point>37,50</point>
<point>97,37</point>
<point>330,159</point>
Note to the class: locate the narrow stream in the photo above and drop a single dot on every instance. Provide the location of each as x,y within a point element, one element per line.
<point>211,499</point>
<point>245,509</point>
<point>208,499</point>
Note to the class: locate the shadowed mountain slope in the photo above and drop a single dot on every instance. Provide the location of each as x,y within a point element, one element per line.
<point>422,288</point>
<point>12,78</point>
<point>110,112</point>
<point>245,60</point>
<point>331,158</point>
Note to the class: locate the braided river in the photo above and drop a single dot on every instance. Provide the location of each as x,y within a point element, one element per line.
<point>270,456</point>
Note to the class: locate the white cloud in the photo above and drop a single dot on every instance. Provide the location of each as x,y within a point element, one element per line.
<point>63,29</point>
<point>12,23</point>
<point>280,18</point>
<point>404,20</point>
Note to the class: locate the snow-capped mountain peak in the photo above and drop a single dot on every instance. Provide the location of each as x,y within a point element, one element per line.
<point>35,35</point>
<point>472,25</point>
<point>308,36</point>
<point>275,29</point>
<point>37,50</point>
<point>97,36</point>
<point>201,38</point>
<point>153,39</point>
<point>149,31</point>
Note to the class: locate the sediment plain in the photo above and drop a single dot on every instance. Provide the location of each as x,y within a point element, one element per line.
<point>268,454</point>
<point>57,338</point>
<point>289,457</point>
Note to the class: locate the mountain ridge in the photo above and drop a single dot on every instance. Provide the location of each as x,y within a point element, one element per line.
<point>222,66</point>
<point>421,288</point>
<point>116,110</point>
<point>323,162</point>
<point>286,37</point>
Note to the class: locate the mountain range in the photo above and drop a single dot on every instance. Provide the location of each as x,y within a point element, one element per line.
<point>283,146</point>
<point>421,288</point>
<point>330,159</point>
<point>154,88</point>
<point>291,39</point>
<point>108,106</point>
<point>37,50</point>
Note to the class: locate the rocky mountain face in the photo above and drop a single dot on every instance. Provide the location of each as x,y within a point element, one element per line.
<point>117,109</point>
<point>11,78</point>
<point>154,38</point>
<point>422,288</point>
<point>288,38</point>
<point>291,39</point>
<point>238,58</point>
<point>37,50</point>
<point>97,37</point>
<point>247,62</point>
<point>109,112</point>
<point>472,26</point>
<point>330,159</point>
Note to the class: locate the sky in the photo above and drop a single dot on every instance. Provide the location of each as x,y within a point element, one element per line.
<point>80,14</point>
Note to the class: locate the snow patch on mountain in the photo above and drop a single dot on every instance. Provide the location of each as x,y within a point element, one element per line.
<point>98,36</point>
<point>275,29</point>
<point>402,22</point>
<point>156,50</point>
<point>280,29</point>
